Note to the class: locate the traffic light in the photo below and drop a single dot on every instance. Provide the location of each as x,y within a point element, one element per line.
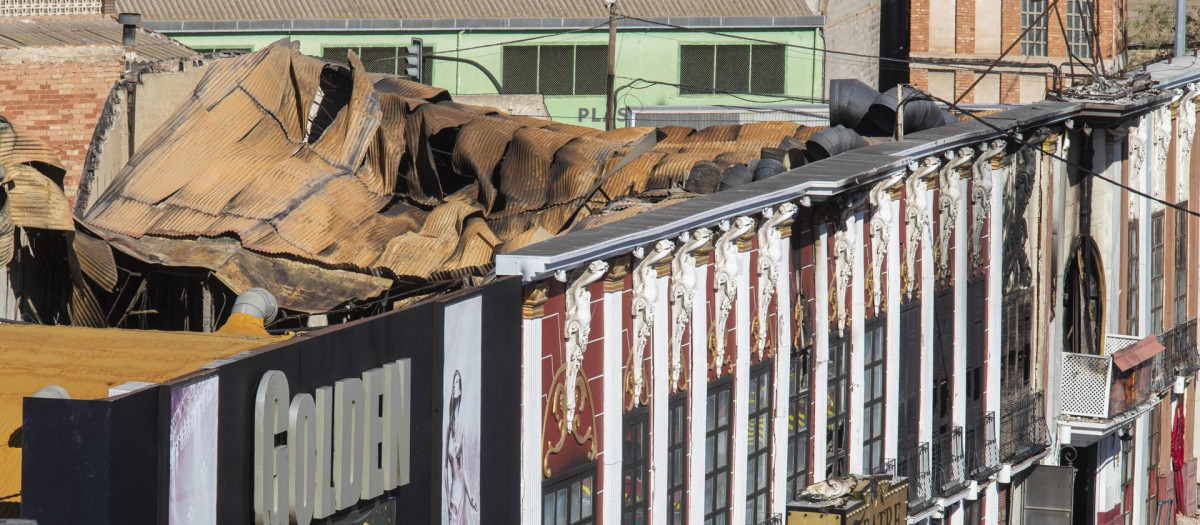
<point>414,60</point>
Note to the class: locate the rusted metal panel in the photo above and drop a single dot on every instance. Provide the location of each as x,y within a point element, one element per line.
<point>96,260</point>
<point>27,32</point>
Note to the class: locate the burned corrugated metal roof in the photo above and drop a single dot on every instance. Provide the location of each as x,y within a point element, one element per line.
<point>328,184</point>
<point>84,30</point>
<point>31,194</point>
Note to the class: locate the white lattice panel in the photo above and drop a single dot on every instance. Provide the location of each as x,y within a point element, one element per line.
<point>49,7</point>
<point>1114,343</point>
<point>1085,383</point>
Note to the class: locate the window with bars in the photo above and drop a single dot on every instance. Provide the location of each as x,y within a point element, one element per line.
<point>1152,470</point>
<point>1127,471</point>
<point>1181,275</point>
<point>874,382</point>
<point>798,406</point>
<point>555,70</point>
<point>1015,351</point>
<point>758,446</point>
<point>570,502</point>
<point>1156,272</point>
<point>677,461</point>
<point>1034,41</point>
<point>1132,279</point>
<point>1079,28</point>
<point>380,59</point>
<point>635,467</point>
<point>718,439</point>
<point>709,69</point>
<point>836,407</point>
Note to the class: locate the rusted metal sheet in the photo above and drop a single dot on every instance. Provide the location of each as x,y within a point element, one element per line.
<point>30,32</point>
<point>313,171</point>
<point>96,260</point>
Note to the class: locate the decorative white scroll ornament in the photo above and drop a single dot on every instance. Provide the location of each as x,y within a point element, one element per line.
<point>576,329</point>
<point>881,232</point>
<point>725,283</point>
<point>915,218</point>
<point>1186,132</point>
<point>645,295</point>
<point>683,285</point>
<point>981,197</point>
<point>948,206</point>
<point>1137,162</point>
<point>843,262</point>
<point>1162,145</point>
<point>770,251</point>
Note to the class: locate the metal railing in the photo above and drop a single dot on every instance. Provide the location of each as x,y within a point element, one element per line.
<point>886,468</point>
<point>983,451</point>
<point>951,474</point>
<point>916,465</point>
<point>1180,357</point>
<point>1023,432</point>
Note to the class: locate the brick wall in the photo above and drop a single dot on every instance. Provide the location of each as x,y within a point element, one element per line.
<point>1010,89</point>
<point>962,81</point>
<point>919,26</point>
<point>57,94</point>
<point>965,20</point>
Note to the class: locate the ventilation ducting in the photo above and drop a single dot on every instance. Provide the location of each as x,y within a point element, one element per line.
<point>52,392</point>
<point>768,168</point>
<point>919,114</point>
<point>257,302</point>
<point>849,100</point>
<point>736,175</point>
<point>832,141</point>
<point>703,178</point>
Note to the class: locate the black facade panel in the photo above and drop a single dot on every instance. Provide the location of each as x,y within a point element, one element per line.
<point>65,478</point>
<point>910,375</point>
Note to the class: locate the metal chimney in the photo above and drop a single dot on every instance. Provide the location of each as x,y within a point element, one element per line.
<point>129,22</point>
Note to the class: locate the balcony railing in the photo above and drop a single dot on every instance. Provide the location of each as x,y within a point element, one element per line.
<point>949,457</point>
<point>1180,357</point>
<point>1023,432</point>
<point>887,468</point>
<point>916,465</point>
<point>1093,386</point>
<point>983,452</point>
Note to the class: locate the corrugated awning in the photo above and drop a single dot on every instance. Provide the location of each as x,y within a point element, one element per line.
<point>1140,351</point>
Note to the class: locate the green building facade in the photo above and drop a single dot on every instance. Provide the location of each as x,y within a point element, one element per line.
<point>716,60</point>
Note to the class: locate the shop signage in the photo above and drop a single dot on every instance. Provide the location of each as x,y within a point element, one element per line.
<point>316,455</point>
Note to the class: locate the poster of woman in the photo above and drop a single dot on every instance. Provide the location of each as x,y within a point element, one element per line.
<point>460,413</point>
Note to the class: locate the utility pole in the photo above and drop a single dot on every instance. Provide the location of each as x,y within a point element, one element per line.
<point>610,109</point>
<point>1180,27</point>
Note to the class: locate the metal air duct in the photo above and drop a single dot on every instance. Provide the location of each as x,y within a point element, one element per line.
<point>849,100</point>
<point>734,176</point>
<point>919,114</point>
<point>832,141</point>
<point>703,178</point>
<point>768,168</point>
<point>257,302</point>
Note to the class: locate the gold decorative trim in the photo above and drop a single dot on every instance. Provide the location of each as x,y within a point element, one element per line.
<point>534,304</point>
<point>556,408</point>
<point>614,280</point>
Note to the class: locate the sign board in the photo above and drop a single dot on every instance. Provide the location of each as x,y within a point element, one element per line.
<point>880,500</point>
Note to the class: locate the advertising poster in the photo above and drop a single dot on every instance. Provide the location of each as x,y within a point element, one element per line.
<point>460,412</point>
<point>193,453</point>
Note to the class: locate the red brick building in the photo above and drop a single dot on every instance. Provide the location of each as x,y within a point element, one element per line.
<point>953,41</point>
<point>57,71</point>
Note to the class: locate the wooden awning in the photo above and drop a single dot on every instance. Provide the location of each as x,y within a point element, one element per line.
<point>1140,351</point>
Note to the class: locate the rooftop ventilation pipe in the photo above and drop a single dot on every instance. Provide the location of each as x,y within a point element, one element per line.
<point>258,303</point>
<point>52,392</point>
<point>849,100</point>
<point>832,141</point>
<point>919,114</point>
<point>129,23</point>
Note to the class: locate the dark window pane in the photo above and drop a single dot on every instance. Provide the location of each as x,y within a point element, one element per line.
<point>520,69</point>
<point>336,54</point>
<point>555,71</point>
<point>733,69</point>
<point>590,68</point>
<point>379,59</point>
<point>767,69</point>
<point>696,69</point>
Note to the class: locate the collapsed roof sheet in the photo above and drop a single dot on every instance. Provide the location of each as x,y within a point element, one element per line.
<point>84,30</point>
<point>327,184</point>
<point>31,194</point>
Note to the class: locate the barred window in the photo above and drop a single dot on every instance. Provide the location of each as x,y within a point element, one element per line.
<point>798,402</point>
<point>1156,272</point>
<point>1181,274</point>
<point>1034,42</point>
<point>1079,28</point>
<point>837,407</point>
<point>874,379</point>
<point>1131,280</point>
<point>1015,351</point>
<point>380,59</point>
<point>705,69</point>
<point>758,459</point>
<point>570,502</point>
<point>555,70</point>
<point>636,501</point>
<point>677,458</point>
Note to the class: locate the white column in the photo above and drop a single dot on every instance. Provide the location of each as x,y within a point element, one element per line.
<point>1140,443</point>
<point>610,498</point>
<point>995,303</point>
<point>858,314</point>
<point>531,420</point>
<point>741,391</point>
<point>783,387</point>
<point>958,410</point>
<point>925,428</point>
<point>891,424</point>
<point>698,395</point>
<point>1144,205</point>
<point>820,387</point>
<point>660,412</point>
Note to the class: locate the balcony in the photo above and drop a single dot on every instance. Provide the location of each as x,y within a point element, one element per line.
<point>916,465</point>
<point>949,457</point>
<point>1130,373</point>
<point>1179,354</point>
<point>1023,432</point>
<point>983,451</point>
